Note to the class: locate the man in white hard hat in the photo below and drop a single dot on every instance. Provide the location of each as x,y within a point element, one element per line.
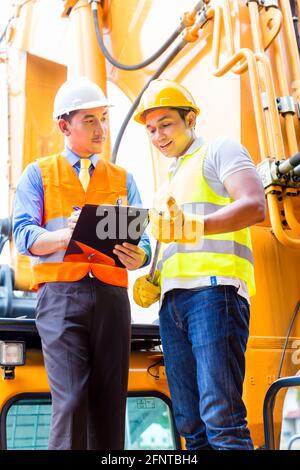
<point>83,312</point>
<point>205,272</point>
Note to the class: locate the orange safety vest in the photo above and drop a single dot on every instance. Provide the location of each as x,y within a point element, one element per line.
<point>62,190</point>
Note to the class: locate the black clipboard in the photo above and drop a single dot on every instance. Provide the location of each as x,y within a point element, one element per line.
<point>100,227</point>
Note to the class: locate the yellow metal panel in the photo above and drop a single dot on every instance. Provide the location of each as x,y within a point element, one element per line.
<point>33,133</point>
<point>278,285</point>
<point>42,136</point>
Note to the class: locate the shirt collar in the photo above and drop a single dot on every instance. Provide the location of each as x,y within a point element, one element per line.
<point>73,158</point>
<point>192,148</point>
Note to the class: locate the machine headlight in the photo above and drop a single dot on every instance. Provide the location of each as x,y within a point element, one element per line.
<point>12,353</point>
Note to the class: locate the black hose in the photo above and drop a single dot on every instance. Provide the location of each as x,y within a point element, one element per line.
<point>295,160</point>
<point>295,13</point>
<point>159,71</point>
<point>141,65</point>
<point>296,171</point>
<point>286,166</point>
<point>287,337</point>
<point>6,227</point>
<point>5,231</point>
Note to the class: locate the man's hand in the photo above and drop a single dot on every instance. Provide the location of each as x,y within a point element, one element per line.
<point>72,220</point>
<point>51,242</point>
<point>145,292</point>
<point>132,256</point>
<point>166,227</point>
<point>65,235</point>
<point>177,226</point>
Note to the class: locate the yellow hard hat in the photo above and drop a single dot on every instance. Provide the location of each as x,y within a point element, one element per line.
<point>163,93</point>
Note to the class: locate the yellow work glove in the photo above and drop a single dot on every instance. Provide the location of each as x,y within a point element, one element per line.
<point>145,292</point>
<point>176,226</point>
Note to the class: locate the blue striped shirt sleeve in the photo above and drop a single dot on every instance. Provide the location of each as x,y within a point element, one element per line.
<point>28,209</point>
<point>134,199</point>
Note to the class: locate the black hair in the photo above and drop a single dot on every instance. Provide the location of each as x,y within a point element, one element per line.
<point>183,112</point>
<point>68,116</point>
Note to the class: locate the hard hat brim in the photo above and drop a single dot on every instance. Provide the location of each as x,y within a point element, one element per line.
<point>140,117</point>
<point>92,104</point>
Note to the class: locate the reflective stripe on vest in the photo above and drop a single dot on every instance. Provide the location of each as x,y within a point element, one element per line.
<point>62,190</point>
<point>209,246</point>
<point>226,254</point>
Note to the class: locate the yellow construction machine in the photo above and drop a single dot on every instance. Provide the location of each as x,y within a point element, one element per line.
<point>240,59</point>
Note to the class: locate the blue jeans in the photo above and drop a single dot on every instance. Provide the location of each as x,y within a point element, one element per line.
<point>204,333</point>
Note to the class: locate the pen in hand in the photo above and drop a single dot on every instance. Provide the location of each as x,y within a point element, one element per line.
<point>76,208</point>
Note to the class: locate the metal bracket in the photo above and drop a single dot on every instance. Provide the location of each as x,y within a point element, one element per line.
<point>95,3</point>
<point>269,175</point>
<point>269,3</point>
<point>265,173</point>
<point>265,3</point>
<point>264,100</point>
<point>8,372</point>
<point>285,104</point>
<point>191,33</point>
<point>270,23</point>
<point>201,17</point>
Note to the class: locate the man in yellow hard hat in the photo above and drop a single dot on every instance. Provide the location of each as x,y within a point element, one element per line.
<point>205,272</point>
<point>83,312</point>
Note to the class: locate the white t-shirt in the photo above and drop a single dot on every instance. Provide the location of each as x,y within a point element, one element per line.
<point>225,157</point>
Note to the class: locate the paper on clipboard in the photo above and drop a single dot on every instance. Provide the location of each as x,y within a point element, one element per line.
<point>100,227</point>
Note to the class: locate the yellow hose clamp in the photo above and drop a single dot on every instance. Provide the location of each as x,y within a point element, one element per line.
<point>188,19</point>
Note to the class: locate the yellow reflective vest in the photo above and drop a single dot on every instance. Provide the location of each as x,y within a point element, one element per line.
<point>63,190</point>
<point>228,254</point>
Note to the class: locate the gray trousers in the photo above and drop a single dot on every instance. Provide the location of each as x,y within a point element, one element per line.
<point>85,331</point>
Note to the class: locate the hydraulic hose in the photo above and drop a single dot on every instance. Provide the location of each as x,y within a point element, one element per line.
<point>295,13</point>
<point>287,165</point>
<point>159,71</point>
<point>296,171</point>
<point>5,231</point>
<point>141,65</point>
<point>296,311</point>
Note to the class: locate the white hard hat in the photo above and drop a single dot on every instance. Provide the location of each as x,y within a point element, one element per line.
<point>78,93</point>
